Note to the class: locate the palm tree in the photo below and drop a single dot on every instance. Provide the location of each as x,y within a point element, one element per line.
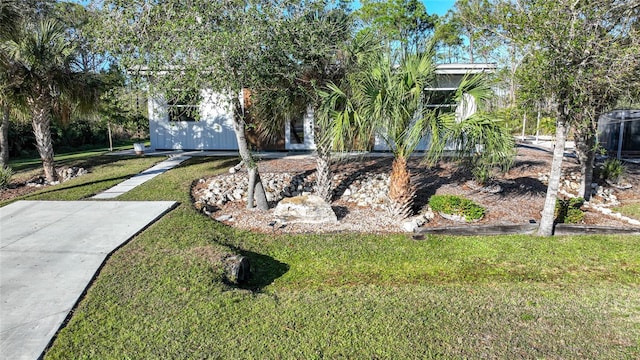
<point>47,84</point>
<point>387,100</point>
<point>388,97</point>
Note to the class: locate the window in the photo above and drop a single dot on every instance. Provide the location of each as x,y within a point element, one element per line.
<point>440,98</point>
<point>184,106</point>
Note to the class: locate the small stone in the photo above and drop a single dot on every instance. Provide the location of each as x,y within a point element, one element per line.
<point>409,225</point>
<point>224,218</point>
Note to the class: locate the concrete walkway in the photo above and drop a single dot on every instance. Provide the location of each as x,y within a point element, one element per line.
<point>49,253</point>
<point>51,250</point>
<point>141,178</point>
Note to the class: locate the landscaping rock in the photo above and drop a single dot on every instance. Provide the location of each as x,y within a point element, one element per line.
<point>237,269</point>
<point>310,209</point>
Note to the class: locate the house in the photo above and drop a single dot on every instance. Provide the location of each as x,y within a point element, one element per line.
<point>204,121</point>
<point>619,133</point>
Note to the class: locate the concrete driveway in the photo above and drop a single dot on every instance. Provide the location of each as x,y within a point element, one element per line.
<point>49,253</point>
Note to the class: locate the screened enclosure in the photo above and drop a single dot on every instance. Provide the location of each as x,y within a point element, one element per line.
<point>619,133</point>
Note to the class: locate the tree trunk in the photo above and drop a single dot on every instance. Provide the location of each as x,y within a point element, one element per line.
<point>323,171</point>
<point>41,123</point>
<point>585,149</point>
<point>4,136</point>
<point>548,212</point>
<point>401,192</point>
<point>256,190</point>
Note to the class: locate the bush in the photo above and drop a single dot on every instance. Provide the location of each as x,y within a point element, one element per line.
<point>569,212</point>
<point>456,205</point>
<point>5,176</point>
<point>612,170</point>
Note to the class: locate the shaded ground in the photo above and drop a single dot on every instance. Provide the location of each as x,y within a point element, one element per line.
<point>520,201</point>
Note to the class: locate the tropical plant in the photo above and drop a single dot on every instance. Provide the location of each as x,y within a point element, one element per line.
<point>612,170</point>
<point>483,142</point>
<point>286,99</point>
<point>46,82</point>
<point>387,97</point>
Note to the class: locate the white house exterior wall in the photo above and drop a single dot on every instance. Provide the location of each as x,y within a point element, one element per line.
<point>213,131</point>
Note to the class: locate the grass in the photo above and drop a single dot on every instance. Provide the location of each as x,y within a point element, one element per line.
<point>105,171</point>
<point>631,210</point>
<point>353,296</point>
<point>67,157</point>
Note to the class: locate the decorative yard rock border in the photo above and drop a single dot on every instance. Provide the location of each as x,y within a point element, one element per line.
<point>366,189</point>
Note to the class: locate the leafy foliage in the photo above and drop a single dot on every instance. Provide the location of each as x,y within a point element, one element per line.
<point>612,170</point>
<point>5,176</point>
<point>403,22</point>
<point>568,211</point>
<point>581,56</point>
<point>457,205</point>
<point>485,143</point>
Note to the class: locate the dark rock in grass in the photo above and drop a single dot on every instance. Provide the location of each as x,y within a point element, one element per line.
<point>237,269</point>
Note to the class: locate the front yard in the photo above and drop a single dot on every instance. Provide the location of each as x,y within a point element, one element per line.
<point>351,295</point>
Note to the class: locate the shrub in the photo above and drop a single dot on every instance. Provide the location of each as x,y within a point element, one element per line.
<point>569,212</point>
<point>612,170</point>
<point>456,205</point>
<point>5,176</point>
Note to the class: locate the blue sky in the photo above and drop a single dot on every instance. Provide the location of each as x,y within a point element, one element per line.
<point>439,7</point>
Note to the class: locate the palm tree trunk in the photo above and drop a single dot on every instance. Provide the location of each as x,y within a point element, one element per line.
<point>41,124</point>
<point>323,171</point>
<point>401,192</point>
<point>256,190</point>
<point>4,136</point>
<point>548,212</point>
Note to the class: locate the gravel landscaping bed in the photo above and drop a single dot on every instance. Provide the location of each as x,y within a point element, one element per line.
<point>360,193</point>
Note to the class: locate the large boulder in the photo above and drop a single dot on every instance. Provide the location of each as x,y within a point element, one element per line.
<point>305,209</point>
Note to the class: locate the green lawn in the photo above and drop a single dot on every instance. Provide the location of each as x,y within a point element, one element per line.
<point>70,157</point>
<point>631,210</point>
<point>352,296</point>
<point>104,171</point>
